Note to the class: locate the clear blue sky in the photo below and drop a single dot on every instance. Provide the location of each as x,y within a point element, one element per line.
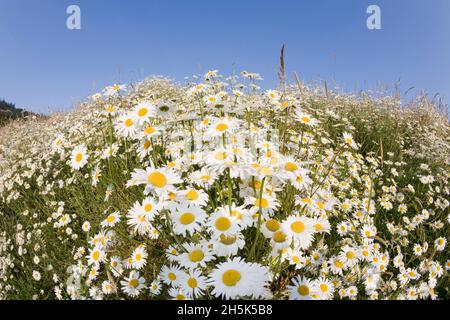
<point>45,67</point>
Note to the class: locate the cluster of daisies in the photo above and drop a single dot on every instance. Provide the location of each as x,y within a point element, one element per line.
<point>217,190</point>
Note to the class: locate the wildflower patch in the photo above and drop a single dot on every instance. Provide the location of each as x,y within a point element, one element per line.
<point>217,190</point>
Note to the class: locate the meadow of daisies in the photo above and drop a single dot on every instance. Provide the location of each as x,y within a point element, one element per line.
<point>217,189</point>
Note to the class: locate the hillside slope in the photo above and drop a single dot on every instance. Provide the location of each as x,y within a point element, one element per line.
<point>218,190</point>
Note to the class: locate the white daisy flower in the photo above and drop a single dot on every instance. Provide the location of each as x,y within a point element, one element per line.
<point>300,231</point>
<point>144,111</point>
<point>238,279</point>
<point>133,284</point>
<point>155,180</point>
<point>193,283</point>
<point>195,255</point>
<point>302,289</point>
<point>187,219</point>
<point>111,220</point>
<point>96,255</point>
<point>79,157</point>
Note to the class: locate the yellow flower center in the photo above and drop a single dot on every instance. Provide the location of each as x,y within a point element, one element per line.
<point>290,166</point>
<point>148,207</point>
<point>306,119</point>
<point>79,157</point>
<point>350,255</point>
<point>303,290</point>
<point>272,225</point>
<point>147,144</point>
<point>142,112</point>
<point>129,122</point>
<point>223,224</point>
<point>227,240</point>
<point>187,218</point>
<point>323,287</point>
<point>172,276</point>
<point>95,255</point>
<point>231,277</point>
<point>279,237</point>
<point>284,104</point>
<point>196,256</point>
<point>222,127</point>
<point>318,227</point>
<point>134,283</point>
<point>298,227</point>
<point>263,203</point>
<point>192,283</point>
<point>192,195</point>
<point>149,130</point>
<point>157,179</point>
<point>338,264</point>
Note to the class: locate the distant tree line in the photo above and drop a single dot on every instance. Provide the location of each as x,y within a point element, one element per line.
<point>8,111</point>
